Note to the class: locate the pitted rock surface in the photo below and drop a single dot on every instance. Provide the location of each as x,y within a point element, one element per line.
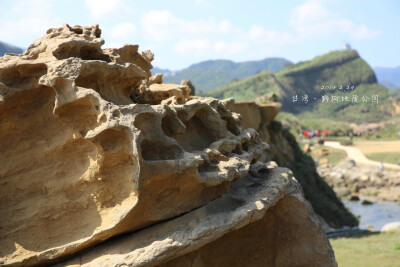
<point>92,147</point>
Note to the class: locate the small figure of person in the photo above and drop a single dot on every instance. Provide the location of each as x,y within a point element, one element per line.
<point>381,166</point>
<point>351,136</point>
<point>326,132</point>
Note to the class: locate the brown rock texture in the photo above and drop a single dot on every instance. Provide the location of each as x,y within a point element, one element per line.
<point>92,147</point>
<point>262,221</point>
<point>257,115</point>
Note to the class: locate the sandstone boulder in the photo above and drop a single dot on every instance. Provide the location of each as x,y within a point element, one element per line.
<point>257,115</point>
<point>262,221</point>
<point>81,161</point>
<point>394,226</point>
<point>93,147</point>
<point>190,85</point>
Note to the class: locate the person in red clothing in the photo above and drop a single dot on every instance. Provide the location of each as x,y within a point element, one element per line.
<point>318,133</point>
<point>306,134</point>
<point>326,133</point>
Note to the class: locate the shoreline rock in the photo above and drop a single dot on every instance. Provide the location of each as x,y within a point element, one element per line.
<point>274,209</point>
<point>363,180</point>
<point>93,147</point>
<point>394,226</point>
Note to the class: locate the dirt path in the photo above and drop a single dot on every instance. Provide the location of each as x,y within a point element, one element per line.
<point>378,146</point>
<point>358,156</point>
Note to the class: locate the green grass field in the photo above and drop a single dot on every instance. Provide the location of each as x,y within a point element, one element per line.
<point>388,157</point>
<point>381,250</point>
<point>334,156</point>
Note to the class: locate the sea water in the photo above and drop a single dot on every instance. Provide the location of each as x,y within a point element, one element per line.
<point>377,214</point>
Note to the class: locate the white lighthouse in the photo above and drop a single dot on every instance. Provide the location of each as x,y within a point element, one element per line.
<point>346,46</point>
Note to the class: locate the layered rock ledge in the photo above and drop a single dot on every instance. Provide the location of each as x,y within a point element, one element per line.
<point>262,221</point>
<point>93,146</point>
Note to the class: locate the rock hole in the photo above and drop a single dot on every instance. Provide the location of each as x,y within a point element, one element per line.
<point>238,149</point>
<point>230,121</point>
<point>112,141</point>
<point>152,150</point>
<point>146,122</point>
<point>23,76</point>
<point>116,113</point>
<point>113,83</point>
<point>207,167</point>
<point>85,52</point>
<point>76,30</point>
<point>172,126</point>
<point>197,136</point>
<point>103,119</point>
<point>245,146</point>
<point>80,114</point>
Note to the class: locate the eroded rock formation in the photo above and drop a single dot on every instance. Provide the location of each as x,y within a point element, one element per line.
<point>262,221</point>
<point>284,149</point>
<point>92,146</point>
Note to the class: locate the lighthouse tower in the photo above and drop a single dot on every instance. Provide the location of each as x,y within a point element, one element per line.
<point>346,46</point>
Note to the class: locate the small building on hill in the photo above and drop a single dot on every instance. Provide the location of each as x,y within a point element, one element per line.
<point>346,46</point>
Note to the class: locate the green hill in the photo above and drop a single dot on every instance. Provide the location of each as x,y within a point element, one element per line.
<point>211,74</point>
<point>7,48</point>
<point>331,83</point>
<point>248,88</point>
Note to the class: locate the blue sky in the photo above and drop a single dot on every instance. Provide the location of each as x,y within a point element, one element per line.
<point>181,33</point>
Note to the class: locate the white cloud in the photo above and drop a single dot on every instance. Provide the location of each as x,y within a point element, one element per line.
<point>209,37</point>
<point>106,9</point>
<point>122,31</point>
<point>313,19</point>
<point>357,32</point>
<point>225,26</point>
<point>203,47</point>
<point>271,37</point>
<point>310,12</point>
<point>195,47</point>
<point>163,26</point>
<point>156,24</point>
<point>229,48</point>
<point>30,20</point>
<point>119,35</point>
<point>200,2</point>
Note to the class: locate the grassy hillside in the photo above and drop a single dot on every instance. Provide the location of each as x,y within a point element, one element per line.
<point>334,77</point>
<point>7,48</point>
<point>248,88</point>
<point>211,74</point>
